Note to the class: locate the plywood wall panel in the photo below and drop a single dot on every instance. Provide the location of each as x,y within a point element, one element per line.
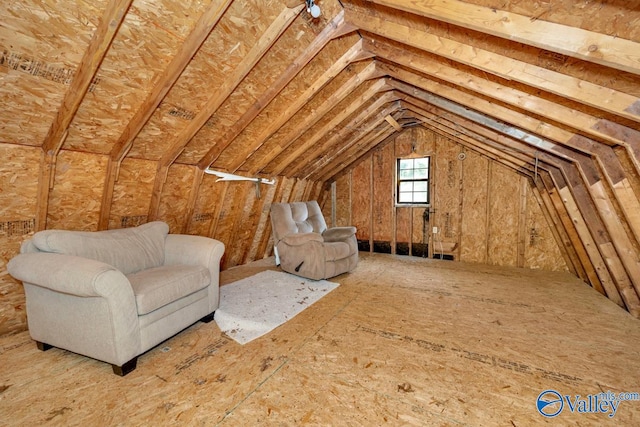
<point>262,229</point>
<point>232,205</point>
<point>76,197</point>
<point>132,193</point>
<point>383,181</point>
<point>18,190</point>
<point>18,182</point>
<point>361,199</point>
<point>541,249</point>
<point>473,239</point>
<point>343,200</point>
<point>175,194</point>
<point>244,228</point>
<point>503,216</point>
<point>207,205</point>
<point>446,198</point>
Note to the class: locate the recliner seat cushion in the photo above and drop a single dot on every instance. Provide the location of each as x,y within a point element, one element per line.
<point>157,287</point>
<point>128,250</point>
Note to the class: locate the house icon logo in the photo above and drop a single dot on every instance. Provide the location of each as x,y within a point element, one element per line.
<point>549,403</point>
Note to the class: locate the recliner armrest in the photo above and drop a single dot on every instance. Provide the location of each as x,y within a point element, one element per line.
<point>338,234</point>
<point>301,239</point>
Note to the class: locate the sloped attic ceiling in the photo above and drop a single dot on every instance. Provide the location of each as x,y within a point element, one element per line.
<point>548,88</point>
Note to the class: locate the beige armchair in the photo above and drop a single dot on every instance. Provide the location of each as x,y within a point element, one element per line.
<point>306,247</point>
<point>112,295</point>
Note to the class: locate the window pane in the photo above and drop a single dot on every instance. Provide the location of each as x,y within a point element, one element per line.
<point>405,197</point>
<point>420,197</point>
<point>406,174</point>
<point>406,164</point>
<point>422,163</point>
<point>420,173</point>
<point>406,187</point>
<point>420,186</point>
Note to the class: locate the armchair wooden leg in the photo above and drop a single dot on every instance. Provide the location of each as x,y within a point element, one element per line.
<point>126,367</point>
<point>208,318</point>
<point>43,346</point>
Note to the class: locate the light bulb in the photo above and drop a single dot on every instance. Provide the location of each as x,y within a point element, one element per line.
<point>315,11</point>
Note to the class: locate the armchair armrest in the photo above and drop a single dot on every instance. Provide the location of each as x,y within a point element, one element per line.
<point>70,274</point>
<point>301,239</point>
<point>193,250</point>
<point>338,234</point>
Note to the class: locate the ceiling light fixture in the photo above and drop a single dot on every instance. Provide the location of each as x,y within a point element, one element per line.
<point>313,9</point>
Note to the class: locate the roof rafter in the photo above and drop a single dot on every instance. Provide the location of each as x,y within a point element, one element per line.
<point>581,91</point>
<point>603,49</point>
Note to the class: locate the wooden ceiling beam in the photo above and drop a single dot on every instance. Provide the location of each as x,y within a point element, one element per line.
<point>355,53</point>
<point>607,50</point>
<point>310,145</point>
<point>86,71</point>
<point>584,123</point>
<point>369,72</point>
<point>335,28</point>
<point>581,91</point>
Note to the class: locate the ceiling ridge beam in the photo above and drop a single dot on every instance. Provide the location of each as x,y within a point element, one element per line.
<point>581,91</point>
<point>302,149</point>
<point>352,54</point>
<point>335,28</point>
<point>608,50</point>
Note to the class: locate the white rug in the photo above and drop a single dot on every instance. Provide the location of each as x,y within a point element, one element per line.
<point>251,307</point>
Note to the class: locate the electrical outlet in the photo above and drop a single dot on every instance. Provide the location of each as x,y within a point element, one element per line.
<point>435,230</point>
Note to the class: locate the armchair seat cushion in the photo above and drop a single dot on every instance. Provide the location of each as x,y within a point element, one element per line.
<point>336,250</point>
<point>156,287</point>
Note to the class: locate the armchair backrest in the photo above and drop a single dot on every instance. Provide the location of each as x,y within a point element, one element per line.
<point>296,217</point>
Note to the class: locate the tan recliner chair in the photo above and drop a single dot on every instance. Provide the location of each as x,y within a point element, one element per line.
<point>306,247</point>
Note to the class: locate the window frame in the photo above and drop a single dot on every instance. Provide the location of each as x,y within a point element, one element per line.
<point>400,180</point>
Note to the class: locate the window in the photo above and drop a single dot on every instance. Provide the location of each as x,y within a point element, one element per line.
<point>413,181</point>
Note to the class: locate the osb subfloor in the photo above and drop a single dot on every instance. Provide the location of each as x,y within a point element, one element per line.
<point>402,341</point>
